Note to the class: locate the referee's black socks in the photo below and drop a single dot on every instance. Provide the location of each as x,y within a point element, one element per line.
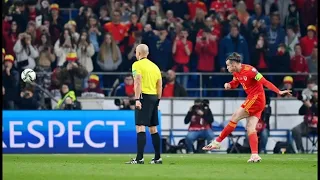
<point>156,145</point>
<point>141,142</point>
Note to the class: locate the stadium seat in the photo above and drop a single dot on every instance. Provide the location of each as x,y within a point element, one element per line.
<point>216,126</point>
<point>313,137</point>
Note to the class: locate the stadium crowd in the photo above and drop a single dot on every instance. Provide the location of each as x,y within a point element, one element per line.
<point>182,35</point>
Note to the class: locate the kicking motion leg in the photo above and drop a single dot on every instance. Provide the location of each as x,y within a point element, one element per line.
<point>253,138</point>
<point>236,117</point>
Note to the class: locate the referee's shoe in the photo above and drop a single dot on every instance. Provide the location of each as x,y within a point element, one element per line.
<point>134,161</point>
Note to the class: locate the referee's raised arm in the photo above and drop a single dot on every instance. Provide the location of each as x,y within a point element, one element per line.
<point>148,91</point>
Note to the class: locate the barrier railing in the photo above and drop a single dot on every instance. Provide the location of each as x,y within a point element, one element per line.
<point>195,82</point>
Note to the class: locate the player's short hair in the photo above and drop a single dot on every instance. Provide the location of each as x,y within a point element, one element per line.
<point>234,57</point>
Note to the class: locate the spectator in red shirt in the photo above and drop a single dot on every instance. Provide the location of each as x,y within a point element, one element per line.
<point>259,55</point>
<point>93,90</point>
<point>117,30</point>
<point>56,23</point>
<point>299,65</point>
<point>213,26</point>
<point>222,7</point>
<point>133,26</point>
<point>206,49</point>
<point>309,41</point>
<point>11,37</point>
<point>181,50</point>
<point>193,6</point>
<point>31,11</point>
<point>171,87</point>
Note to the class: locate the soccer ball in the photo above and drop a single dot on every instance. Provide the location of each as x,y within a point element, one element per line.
<point>28,75</point>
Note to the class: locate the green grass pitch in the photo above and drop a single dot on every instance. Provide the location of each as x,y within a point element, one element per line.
<point>175,167</point>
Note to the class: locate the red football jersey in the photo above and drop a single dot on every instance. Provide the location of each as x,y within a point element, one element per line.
<point>249,78</point>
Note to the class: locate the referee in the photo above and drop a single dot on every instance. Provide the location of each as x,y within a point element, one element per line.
<point>147,90</point>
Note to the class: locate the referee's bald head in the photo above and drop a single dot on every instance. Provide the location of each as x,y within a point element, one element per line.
<point>142,51</point>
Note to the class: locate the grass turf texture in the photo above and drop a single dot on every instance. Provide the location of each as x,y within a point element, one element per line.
<point>175,167</point>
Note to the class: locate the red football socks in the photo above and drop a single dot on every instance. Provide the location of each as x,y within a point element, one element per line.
<point>226,131</point>
<point>253,141</point>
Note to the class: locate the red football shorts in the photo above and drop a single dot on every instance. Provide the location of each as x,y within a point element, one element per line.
<point>254,105</point>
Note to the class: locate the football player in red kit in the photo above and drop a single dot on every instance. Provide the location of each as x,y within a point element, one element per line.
<point>252,82</point>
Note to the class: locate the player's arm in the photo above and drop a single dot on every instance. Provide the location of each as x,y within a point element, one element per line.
<point>136,72</point>
<point>266,83</point>
<point>234,83</point>
<point>159,87</point>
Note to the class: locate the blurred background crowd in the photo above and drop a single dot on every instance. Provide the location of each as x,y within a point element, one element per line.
<point>77,46</point>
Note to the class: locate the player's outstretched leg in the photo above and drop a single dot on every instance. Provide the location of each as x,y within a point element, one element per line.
<point>253,139</point>
<point>236,117</point>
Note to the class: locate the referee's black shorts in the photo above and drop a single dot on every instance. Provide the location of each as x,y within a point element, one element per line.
<point>148,114</point>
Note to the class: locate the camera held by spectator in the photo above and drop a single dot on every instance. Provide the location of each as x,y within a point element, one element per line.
<point>125,104</point>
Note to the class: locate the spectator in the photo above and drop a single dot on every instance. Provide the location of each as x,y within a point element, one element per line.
<point>171,87</point>
<point>200,118</point>
<point>109,58</point>
<point>31,12</point>
<point>25,52</point>
<point>19,15</point>
<point>10,80</point>
<point>11,37</point>
<point>32,30</point>
<point>104,15</point>
<point>125,12</point>
<point>307,92</point>
<point>46,58</point>
<point>293,18</point>
<point>214,26</point>
<point>93,90</point>
<point>259,55</point>
<point>299,65</point>
<point>242,13</point>
<point>194,6</point>
<point>27,100</point>
<point>72,73</point>
<point>133,26</point>
<point>135,7</point>
<point>280,63</point>
<point>206,49</point>
<point>179,7</point>
<point>309,41</point>
<point>309,110</point>
<point>181,50</point>
<point>68,100</point>
<point>222,7</point>
<point>117,30</point>
<point>125,88</point>
<point>234,21</point>
<point>85,52</point>
<point>170,21</point>
<point>257,24</point>
<point>66,44</point>
<point>291,40</point>
<point>56,22</point>
<point>234,42</point>
<point>44,8</point>
<point>150,17</point>
<point>83,17</point>
<point>282,7</point>
<point>288,85</point>
<point>131,58</point>
<point>313,60</point>
<point>160,47</point>
<point>72,26</point>
<point>309,9</point>
<point>96,37</point>
<point>275,34</point>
